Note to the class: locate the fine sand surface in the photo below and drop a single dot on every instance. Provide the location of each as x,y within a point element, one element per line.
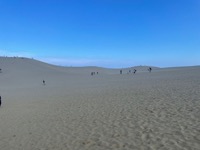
<point>108,111</point>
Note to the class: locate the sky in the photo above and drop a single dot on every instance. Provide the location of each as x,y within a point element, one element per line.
<point>104,33</point>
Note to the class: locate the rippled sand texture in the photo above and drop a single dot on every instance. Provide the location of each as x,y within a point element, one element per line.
<point>76,111</point>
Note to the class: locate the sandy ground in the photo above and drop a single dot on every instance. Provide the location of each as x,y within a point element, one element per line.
<point>77,111</point>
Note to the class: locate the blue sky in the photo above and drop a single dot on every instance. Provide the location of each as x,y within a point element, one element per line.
<point>106,33</point>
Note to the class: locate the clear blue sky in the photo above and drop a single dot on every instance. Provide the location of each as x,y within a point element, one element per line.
<point>107,33</point>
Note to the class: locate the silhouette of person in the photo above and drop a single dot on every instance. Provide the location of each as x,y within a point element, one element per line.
<point>150,69</point>
<point>43,82</point>
<point>0,101</point>
<point>134,71</point>
<point>120,71</point>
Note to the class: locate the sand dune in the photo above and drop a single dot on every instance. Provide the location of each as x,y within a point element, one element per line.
<point>77,111</point>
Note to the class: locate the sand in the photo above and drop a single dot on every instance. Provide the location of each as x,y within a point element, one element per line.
<point>108,111</point>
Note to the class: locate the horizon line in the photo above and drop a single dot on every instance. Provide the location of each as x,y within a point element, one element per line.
<point>99,66</point>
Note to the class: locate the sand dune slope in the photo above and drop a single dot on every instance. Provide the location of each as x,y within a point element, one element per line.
<point>76,111</point>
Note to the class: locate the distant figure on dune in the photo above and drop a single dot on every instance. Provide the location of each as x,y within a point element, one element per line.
<point>120,71</point>
<point>0,70</point>
<point>134,71</point>
<point>0,101</point>
<point>149,69</point>
<point>93,73</point>
<point>44,82</point>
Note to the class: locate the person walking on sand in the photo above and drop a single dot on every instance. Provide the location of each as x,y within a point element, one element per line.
<point>150,69</point>
<point>43,82</point>
<point>134,71</point>
<point>0,101</point>
<point>120,71</point>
